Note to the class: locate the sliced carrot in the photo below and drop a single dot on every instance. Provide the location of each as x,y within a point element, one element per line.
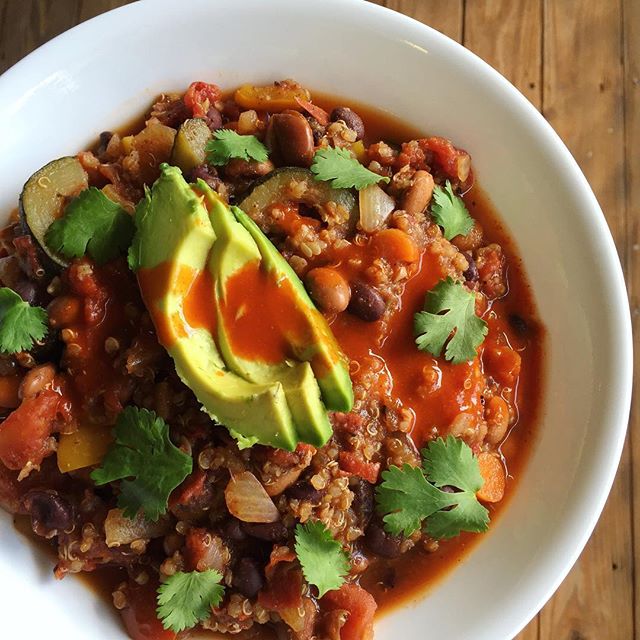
<point>314,110</point>
<point>396,246</point>
<point>492,471</point>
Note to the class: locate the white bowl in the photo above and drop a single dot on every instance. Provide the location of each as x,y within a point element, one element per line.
<point>102,73</point>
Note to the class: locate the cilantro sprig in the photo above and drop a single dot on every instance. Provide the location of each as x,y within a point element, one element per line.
<point>185,599</point>
<point>323,560</point>
<point>20,324</point>
<point>227,144</point>
<point>449,212</point>
<point>148,463</point>
<point>342,170</point>
<point>93,224</point>
<point>449,307</point>
<point>411,497</point>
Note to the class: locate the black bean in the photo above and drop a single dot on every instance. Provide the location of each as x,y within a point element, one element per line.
<point>519,324</point>
<point>350,118</point>
<point>232,530</point>
<point>363,502</point>
<point>50,513</point>
<point>105,138</point>
<point>214,119</point>
<point>471,274</point>
<point>317,129</point>
<point>247,577</point>
<point>366,302</point>
<point>206,173</point>
<point>304,491</point>
<point>28,291</point>
<point>381,543</point>
<point>269,531</point>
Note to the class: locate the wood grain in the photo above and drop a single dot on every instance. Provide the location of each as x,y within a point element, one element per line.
<point>631,64</point>
<point>579,62</point>
<point>583,100</point>
<point>447,16</point>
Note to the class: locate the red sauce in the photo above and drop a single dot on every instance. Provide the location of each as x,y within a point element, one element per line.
<point>261,317</point>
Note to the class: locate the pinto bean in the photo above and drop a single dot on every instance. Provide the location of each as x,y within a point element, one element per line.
<point>497,416</point>
<point>329,290</point>
<point>50,513</point>
<point>292,137</point>
<point>350,118</point>
<point>239,168</point>
<point>472,240</point>
<point>418,195</point>
<point>247,577</point>
<point>36,380</point>
<point>64,311</point>
<point>366,302</point>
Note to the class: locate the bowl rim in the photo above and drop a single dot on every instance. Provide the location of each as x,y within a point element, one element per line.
<point>602,478</point>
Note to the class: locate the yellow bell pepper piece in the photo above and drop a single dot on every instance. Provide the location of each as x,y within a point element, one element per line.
<point>359,151</point>
<point>84,448</point>
<point>271,98</point>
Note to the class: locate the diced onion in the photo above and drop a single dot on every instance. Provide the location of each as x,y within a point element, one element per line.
<point>248,501</point>
<point>375,208</point>
<point>121,530</point>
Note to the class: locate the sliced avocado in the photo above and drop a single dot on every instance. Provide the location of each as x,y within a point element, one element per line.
<point>323,353</point>
<point>170,250</point>
<point>233,250</point>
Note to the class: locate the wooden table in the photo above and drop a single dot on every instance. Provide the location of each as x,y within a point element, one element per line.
<point>578,61</point>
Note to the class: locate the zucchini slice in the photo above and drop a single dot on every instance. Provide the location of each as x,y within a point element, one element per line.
<point>45,195</point>
<point>189,147</point>
<point>295,184</point>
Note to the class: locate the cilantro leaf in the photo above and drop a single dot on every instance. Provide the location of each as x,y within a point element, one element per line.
<point>93,224</point>
<point>324,562</point>
<point>451,463</point>
<point>342,170</point>
<point>143,451</point>
<point>407,499</point>
<point>411,496</point>
<point>227,144</point>
<point>449,212</point>
<point>450,307</point>
<point>185,599</point>
<point>20,323</point>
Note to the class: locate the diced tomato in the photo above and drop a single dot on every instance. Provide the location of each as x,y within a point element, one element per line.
<point>139,616</point>
<point>360,606</point>
<point>192,487</point>
<point>455,163</point>
<point>503,363</point>
<point>284,588</point>
<point>200,97</point>
<point>24,434</point>
<point>354,464</point>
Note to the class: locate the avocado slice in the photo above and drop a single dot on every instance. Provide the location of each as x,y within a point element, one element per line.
<point>329,364</point>
<point>233,250</point>
<point>170,250</point>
